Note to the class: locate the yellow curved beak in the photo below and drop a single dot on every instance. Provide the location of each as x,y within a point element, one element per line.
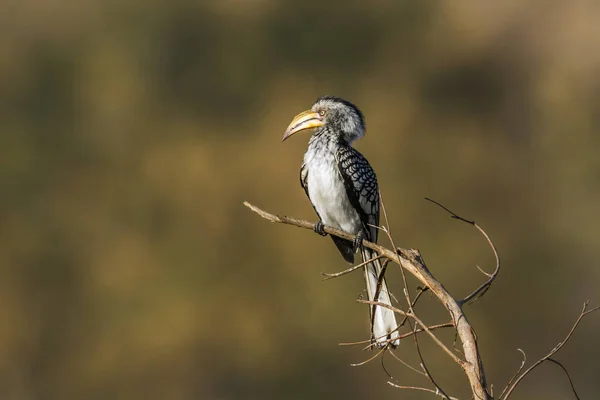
<point>305,120</point>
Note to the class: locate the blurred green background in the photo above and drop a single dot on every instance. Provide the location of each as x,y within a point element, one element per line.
<point>131,132</point>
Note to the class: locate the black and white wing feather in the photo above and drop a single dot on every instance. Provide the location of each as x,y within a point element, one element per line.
<point>361,187</point>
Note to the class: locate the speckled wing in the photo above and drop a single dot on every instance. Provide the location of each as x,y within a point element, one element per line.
<point>303,182</point>
<point>361,187</point>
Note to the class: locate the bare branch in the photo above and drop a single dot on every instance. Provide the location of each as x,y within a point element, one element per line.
<point>347,271</point>
<point>516,373</point>
<point>480,291</point>
<point>414,302</point>
<point>584,312</point>
<point>411,261</point>
<point>405,364</point>
<point>384,305</point>
<point>282,219</point>
<point>566,373</point>
<point>431,328</point>
<point>368,359</point>
<point>452,213</point>
<point>437,393</point>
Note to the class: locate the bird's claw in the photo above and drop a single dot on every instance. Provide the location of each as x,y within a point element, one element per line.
<point>357,241</point>
<point>320,228</point>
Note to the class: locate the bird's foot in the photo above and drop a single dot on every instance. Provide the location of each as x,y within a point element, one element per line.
<point>320,228</point>
<point>357,241</point>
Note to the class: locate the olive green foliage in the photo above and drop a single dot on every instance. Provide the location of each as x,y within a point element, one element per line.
<point>131,132</point>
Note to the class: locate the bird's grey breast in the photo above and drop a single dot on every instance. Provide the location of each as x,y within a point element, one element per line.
<point>327,192</point>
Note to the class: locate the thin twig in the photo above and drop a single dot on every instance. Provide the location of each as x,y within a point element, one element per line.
<point>414,302</point>
<point>383,366</point>
<point>379,303</point>
<point>556,348</point>
<point>418,388</point>
<point>369,359</point>
<point>402,336</point>
<point>566,373</point>
<point>480,291</point>
<point>523,361</point>
<point>431,328</point>
<point>351,269</point>
<point>406,364</point>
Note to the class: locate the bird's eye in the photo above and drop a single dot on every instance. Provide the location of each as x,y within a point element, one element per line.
<point>322,113</point>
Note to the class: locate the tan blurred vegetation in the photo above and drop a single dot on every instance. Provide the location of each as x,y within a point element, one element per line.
<point>132,131</point>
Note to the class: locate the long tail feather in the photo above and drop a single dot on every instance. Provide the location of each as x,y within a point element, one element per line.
<point>383,320</point>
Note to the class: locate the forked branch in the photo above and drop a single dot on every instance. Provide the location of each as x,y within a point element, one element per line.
<point>411,261</point>
<point>512,385</point>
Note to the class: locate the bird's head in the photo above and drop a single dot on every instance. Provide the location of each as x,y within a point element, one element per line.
<point>339,116</point>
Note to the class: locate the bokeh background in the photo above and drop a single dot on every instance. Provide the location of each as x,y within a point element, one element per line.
<point>131,132</point>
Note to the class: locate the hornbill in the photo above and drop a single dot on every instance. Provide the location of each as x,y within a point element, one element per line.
<point>342,187</point>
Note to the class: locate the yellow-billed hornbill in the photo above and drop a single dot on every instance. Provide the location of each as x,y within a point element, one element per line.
<point>342,187</point>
